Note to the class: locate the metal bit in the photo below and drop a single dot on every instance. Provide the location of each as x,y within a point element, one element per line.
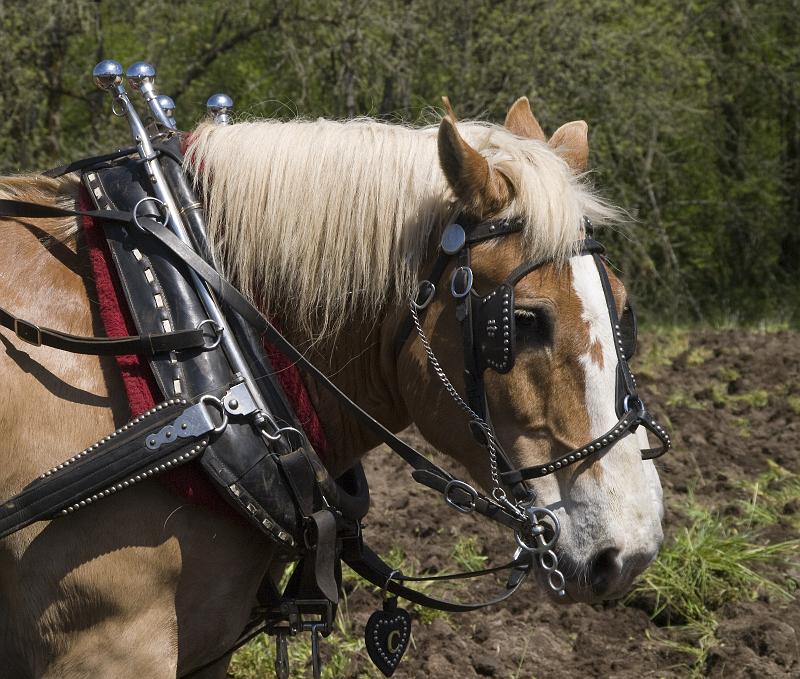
<point>219,107</point>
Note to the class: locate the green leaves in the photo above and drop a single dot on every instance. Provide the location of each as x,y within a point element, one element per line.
<point>693,110</point>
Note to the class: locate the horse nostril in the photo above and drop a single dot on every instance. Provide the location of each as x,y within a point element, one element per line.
<point>605,571</point>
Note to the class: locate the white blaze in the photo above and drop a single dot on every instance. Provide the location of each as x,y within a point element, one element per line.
<point>600,380</point>
<point>629,492</point>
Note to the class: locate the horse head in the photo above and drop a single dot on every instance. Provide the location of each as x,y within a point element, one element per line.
<point>335,225</point>
<point>562,391</point>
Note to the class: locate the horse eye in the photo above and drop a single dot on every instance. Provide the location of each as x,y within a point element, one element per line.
<point>533,326</point>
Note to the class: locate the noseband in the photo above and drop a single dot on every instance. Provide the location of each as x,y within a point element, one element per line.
<point>488,328</point>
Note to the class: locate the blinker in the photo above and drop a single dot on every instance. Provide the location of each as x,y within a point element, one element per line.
<point>494,329</point>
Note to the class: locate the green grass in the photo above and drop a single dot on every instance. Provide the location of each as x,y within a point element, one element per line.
<point>743,427</point>
<point>770,496</point>
<point>680,398</point>
<point>467,554</point>
<point>698,356</point>
<point>660,346</point>
<point>716,560</point>
<point>718,396</point>
<point>728,375</point>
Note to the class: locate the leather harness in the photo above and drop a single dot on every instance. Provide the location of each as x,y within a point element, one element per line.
<point>266,468</point>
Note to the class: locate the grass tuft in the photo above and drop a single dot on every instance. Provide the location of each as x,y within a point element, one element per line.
<point>698,356</point>
<point>680,398</point>
<point>774,497</point>
<point>712,562</point>
<point>467,554</point>
<point>660,346</point>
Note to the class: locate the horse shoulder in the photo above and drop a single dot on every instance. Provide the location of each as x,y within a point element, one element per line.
<point>142,576</point>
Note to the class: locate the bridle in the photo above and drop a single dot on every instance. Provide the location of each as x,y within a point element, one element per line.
<point>488,329</point>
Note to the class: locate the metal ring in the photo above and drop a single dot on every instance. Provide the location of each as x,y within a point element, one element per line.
<point>155,200</point>
<point>552,565</point>
<point>210,398</point>
<point>218,329</point>
<point>469,490</point>
<point>629,402</point>
<point>431,289</point>
<point>396,571</point>
<point>541,544</point>
<point>458,294</point>
<point>278,432</point>
<point>119,114</point>
<point>556,581</point>
<point>499,495</point>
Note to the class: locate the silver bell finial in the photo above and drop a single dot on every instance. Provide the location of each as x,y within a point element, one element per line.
<point>140,75</point>
<point>167,105</point>
<point>107,74</point>
<point>219,106</point>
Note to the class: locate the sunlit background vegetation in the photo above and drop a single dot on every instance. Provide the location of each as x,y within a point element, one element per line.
<point>693,107</point>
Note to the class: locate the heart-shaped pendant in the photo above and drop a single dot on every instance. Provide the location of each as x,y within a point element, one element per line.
<point>387,635</point>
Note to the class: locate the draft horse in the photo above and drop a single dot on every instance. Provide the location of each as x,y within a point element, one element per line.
<point>327,226</point>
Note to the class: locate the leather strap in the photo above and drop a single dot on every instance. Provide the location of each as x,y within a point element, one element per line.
<point>148,345</point>
<point>372,568</point>
<point>488,230</point>
<point>118,460</point>
<point>93,162</point>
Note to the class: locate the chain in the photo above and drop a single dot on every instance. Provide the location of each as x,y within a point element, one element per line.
<point>497,491</point>
<point>541,548</point>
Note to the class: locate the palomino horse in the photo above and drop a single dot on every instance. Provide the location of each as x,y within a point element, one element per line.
<point>327,226</point>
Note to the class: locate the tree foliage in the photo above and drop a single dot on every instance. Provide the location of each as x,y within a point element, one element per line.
<point>692,106</point>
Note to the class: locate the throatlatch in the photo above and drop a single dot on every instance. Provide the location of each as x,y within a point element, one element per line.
<point>202,339</point>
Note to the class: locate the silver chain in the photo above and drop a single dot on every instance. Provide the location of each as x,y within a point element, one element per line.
<point>497,491</point>
<point>547,558</point>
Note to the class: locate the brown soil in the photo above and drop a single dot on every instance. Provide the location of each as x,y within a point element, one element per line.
<point>724,432</point>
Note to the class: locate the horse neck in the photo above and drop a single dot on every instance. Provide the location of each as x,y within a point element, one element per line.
<point>361,362</point>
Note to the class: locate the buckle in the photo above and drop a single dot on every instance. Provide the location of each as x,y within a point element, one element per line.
<point>28,332</point>
<point>468,496</point>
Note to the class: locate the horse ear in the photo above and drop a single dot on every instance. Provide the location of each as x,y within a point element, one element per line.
<point>521,121</point>
<point>571,141</point>
<point>482,190</point>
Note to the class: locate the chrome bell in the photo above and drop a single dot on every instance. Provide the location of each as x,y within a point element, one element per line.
<point>140,74</point>
<point>219,107</point>
<point>107,74</point>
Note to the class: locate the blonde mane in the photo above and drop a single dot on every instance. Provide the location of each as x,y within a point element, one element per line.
<point>321,220</point>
